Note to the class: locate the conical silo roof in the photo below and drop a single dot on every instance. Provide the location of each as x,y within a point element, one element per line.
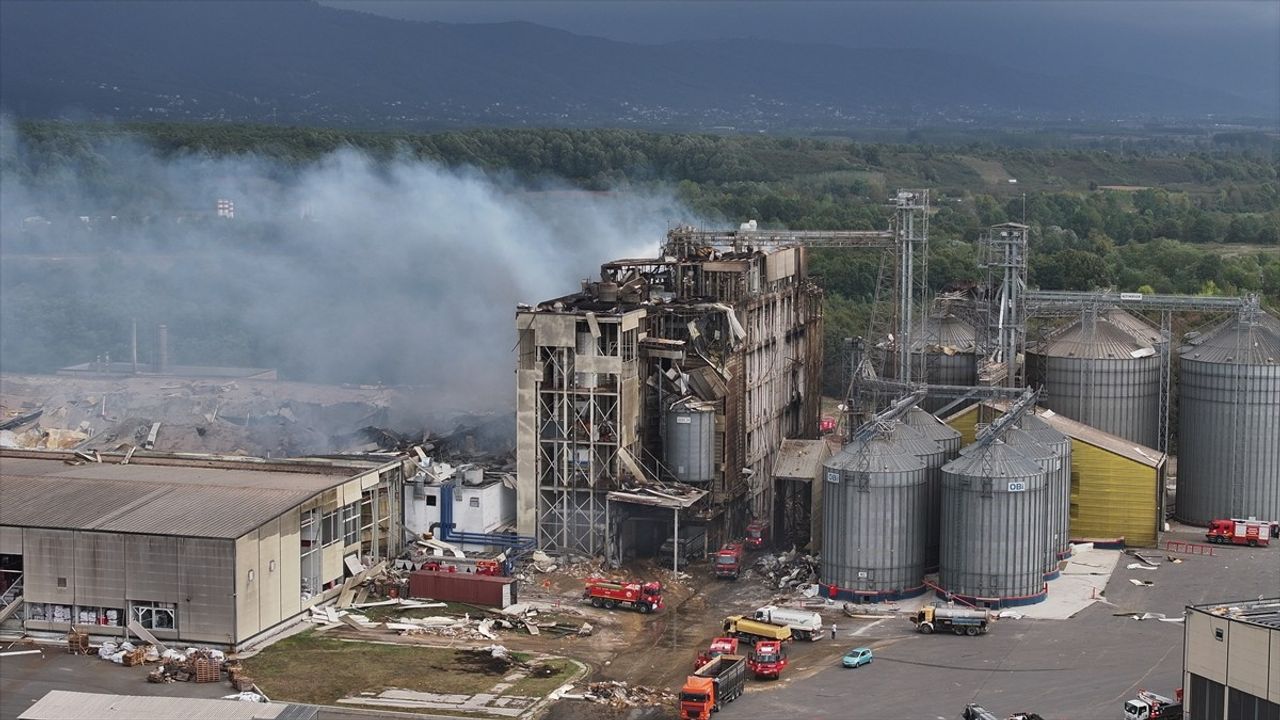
<point>913,441</point>
<point>878,454</point>
<point>1239,340</point>
<point>934,429</point>
<point>996,459</point>
<point>945,331</point>
<point>1022,441</point>
<point>1112,335</point>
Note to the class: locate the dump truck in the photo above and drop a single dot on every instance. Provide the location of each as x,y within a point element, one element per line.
<point>643,596</point>
<point>767,659</point>
<point>719,646</point>
<point>728,561</point>
<point>1152,706</point>
<point>804,624</point>
<point>747,629</point>
<point>1252,532</point>
<point>757,534</point>
<point>712,686</point>
<point>961,621</point>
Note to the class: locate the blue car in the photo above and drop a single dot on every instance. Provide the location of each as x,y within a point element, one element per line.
<point>856,658</point>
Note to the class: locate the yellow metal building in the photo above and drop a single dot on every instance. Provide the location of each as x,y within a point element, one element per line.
<point>1116,485</point>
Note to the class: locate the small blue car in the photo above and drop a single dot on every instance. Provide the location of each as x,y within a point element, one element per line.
<point>856,658</point>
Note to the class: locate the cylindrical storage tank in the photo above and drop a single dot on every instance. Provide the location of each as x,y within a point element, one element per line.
<point>585,347</point>
<point>1104,371</point>
<point>934,456</point>
<point>1229,423</point>
<point>688,442</point>
<point>1059,484</point>
<point>994,527</point>
<point>873,534</point>
<point>1051,463</point>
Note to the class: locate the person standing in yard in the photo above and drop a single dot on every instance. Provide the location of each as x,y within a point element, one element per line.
<point>833,630</point>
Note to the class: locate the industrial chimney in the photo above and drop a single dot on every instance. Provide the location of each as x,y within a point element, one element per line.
<point>162,349</point>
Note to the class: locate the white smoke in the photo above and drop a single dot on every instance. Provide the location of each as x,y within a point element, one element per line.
<point>343,270</point>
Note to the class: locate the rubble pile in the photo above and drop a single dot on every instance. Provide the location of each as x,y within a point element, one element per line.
<point>618,694</point>
<point>789,570</point>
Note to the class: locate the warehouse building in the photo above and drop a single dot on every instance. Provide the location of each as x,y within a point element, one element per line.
<point>1117,486</point>
<point>198,549</point>
<point>1231,660</point>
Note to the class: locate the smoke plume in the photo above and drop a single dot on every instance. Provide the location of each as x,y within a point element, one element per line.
<point>342,270</point>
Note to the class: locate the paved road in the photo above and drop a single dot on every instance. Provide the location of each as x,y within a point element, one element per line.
<point>1082,668</point>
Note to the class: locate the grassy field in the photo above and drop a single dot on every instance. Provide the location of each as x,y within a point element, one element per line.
<point>310,668</point>
<point>1241,249</point>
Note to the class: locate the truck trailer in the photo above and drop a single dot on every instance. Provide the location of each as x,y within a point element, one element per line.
<point>712,686</point>
<point>752,630</point>
<point>961,621</point>
<point>804,624</point>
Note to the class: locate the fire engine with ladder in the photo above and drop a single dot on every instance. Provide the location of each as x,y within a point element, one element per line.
<point>1152,706</point>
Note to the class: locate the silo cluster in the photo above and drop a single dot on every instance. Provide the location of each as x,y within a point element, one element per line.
<point>1104,371</point>
<point>1229,422</point>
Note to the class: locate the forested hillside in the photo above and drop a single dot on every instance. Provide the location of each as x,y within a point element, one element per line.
<point>1199,220</point>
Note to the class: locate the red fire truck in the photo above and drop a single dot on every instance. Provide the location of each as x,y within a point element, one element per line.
<point>728,561</point>
<point>757,534</point>
<point>1251,532</point>
<point>645,597</point>
<point>719,646</point>
<point>767,659</point>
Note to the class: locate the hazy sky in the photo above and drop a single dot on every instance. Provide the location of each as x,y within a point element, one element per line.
<point>1233,45</point>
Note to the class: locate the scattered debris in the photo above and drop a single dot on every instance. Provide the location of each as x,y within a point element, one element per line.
<point>1140,566</point>
<point>1141,583</point>
<point>1157,616</point>
<point>618,694</point>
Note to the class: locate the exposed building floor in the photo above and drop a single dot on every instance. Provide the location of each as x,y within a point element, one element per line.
<point>1083,580</point>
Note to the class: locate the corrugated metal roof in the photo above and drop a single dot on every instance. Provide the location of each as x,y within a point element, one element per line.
<point>1115,334</point>
<point>1239,341</point>
<point>1093,436</point>
<point>800,458</point>
<point>64,704</point>
<point>150,499</point>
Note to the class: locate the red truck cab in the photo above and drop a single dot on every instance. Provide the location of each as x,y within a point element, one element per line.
<point>728,561</point>
<point>719,646</point>
<point>757,534</point>
<point>1251,532</point>
<point>767,659</point>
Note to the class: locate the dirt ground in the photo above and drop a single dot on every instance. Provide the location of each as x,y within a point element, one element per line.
<point>658,650</point>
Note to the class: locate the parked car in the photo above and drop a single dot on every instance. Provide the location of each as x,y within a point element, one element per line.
<point>856,657</point>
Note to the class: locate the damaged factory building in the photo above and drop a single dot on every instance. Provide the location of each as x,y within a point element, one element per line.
<point>652,405</point>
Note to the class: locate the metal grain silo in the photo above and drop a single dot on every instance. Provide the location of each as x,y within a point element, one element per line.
<point>945,353</point>
<point>994,526</point>
<point>1050,461</point>
<point>688,442</point>
<point>1229,422</point>
<point>1059,484</point>
<point>934,456</point>
<point>1104,371</point>
<point>873,534</point>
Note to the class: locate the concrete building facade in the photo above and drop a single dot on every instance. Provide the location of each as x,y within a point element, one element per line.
<point>690,369</point>
<point>216,551</point>
<point>1231,660</point>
